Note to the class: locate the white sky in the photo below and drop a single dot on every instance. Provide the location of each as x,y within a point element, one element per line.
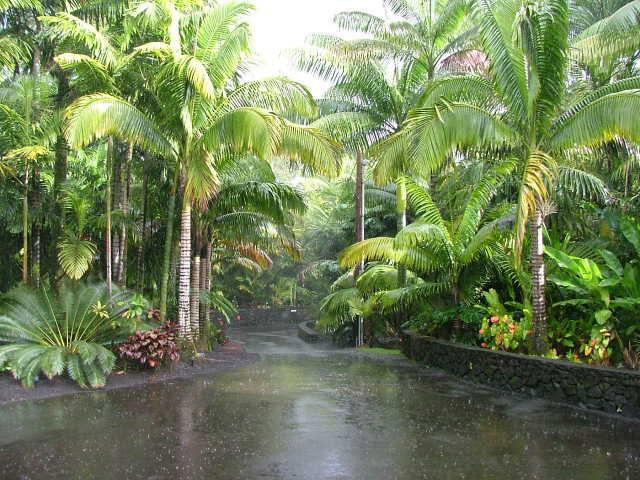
<point>279,25</point>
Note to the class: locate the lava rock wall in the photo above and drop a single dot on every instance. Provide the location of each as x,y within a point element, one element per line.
<point>606,389</point>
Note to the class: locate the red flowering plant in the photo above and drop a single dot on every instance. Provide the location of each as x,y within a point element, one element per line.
<point>151,348</point>
<point>500,330</point>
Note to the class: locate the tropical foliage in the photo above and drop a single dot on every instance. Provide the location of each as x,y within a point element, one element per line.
<point>70,332</point>
<point>469,160</point>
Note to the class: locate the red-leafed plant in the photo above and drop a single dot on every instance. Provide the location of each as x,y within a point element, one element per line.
<point>152,348</point>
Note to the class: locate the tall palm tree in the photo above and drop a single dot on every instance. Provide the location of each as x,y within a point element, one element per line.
<point>99,66</point>
<point>518,111</point>
<point>27,124</point>
<point>200,116</point>
<point>422,41</point>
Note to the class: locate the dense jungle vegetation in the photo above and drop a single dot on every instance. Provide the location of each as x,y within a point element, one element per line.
<point>472,172</point>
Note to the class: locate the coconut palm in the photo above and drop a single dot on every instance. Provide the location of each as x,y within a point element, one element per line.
<point>199,116</point>
<point>519,111</point>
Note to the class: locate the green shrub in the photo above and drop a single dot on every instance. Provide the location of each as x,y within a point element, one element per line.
<point>506,326</point>
<point>49,334</point>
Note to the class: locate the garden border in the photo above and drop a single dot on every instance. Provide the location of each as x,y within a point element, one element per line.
<point>308,334</point>
<point>599,388</point>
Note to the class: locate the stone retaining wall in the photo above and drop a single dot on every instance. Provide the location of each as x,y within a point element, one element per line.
<point>607,389</point>
<point>309,334</point>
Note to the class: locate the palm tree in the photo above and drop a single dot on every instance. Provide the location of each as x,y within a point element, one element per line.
<point>422,41</point>
<point>451,255</point>
<point>518,111</point>
<point>104,68</point>
<point>247,223</point>
<point>197,120</point>
<point>27,121</point>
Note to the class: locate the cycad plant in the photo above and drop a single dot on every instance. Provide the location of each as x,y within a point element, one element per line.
<point>50,334</point>
<point>519,110</point>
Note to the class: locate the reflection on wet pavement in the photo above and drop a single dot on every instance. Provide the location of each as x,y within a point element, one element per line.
<point>305,412</point>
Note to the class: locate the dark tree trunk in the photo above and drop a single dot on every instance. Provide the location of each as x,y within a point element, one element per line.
<point>360,201</point>
<point>359,222</point>
<point>538,283</point>
<point>36,231</point>
<point>57,211</point>
<point>457,322</point>
<point>168,244</point>
<point>108,253</point>
<point>143,236</point>
<point>25,226</point>
<point>117,205</point>
<point>401,222</point>
<point>125,180</point>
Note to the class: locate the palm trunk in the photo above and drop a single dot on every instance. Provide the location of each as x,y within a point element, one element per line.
<point>184,278</point>
<point>108,252</point>
<point>401,221</point>
<point>457,322</point>
<point>143,236</point>
<point>168,245</point>
<point>116,205</point>
<point>25,226</point>
<point>195,294</point>
<point>124,205</point>
<point>538,284</point>
<point>58,212</point>
<point>36,234</point>
<point>359,231</point>
<point>59,177</point>
<point>35,264</point>
<point>202,289</point>
<point>205,284</point>
<point>359,206</point>
<point>36,57</point>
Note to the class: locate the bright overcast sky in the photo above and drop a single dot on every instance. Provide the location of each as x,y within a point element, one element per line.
<point>279,25</point>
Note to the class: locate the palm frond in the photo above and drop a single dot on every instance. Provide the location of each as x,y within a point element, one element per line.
<point>605,118</point>
<point>65,26</point>
<point>75,256</point>
<point>100,115</point>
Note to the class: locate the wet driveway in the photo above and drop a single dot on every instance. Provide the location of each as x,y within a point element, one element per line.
<point>305,412</point>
